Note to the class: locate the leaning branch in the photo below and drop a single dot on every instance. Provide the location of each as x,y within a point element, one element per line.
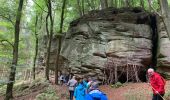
<point>162,20</point>
<point>39,6</point>
<point>7,42</point>
<point>7,19</point>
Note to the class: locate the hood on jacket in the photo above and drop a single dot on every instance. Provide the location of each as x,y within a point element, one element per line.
<point>96,94</point>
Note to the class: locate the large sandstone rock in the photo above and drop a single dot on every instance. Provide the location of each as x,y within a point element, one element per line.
<point>123,35</point>
<point>164,48</point>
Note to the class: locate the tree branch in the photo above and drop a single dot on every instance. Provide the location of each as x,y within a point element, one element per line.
<point>7,42</point>
<point>39,6</point>
<point>162,20</point>
<point>7,19</point>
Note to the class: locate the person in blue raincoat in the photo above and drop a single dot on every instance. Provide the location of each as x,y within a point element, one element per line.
<point>79,93</point>
<point>95,93</point>
<point>85,83</point>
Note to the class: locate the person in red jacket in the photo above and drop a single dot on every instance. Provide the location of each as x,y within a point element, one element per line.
<point>157,83</point>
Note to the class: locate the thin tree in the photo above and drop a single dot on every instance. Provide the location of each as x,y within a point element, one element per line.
<point>104,4</point>
<point>142,3</point>
<point>36,45</point>
<point>79,8</point>
<point>49,15</point>
<point>149,5</point>
<point>165,15</point>
<point>83,9</point>
<point>15,53</point>
<point>116,3</point>
<point>89,2</point>
<point>164,7</point>
<point>127,3</point>
<point>59,42</point>
<point>110,3</point>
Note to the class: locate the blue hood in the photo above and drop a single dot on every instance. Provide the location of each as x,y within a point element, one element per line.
<point>96,94</point>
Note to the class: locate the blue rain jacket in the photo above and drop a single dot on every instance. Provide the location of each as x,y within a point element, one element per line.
<point>79,92</point>
<point>96,95</point>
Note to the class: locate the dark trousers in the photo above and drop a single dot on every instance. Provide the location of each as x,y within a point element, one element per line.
<point>157,97</point>
<point>71,95</point>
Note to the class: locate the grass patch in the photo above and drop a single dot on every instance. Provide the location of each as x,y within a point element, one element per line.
<point>139,95</point>
<point>24,88</point>
<point>167,95</point>
<point>2,90</point>
<point>48,94</point>
<point>117,85</point>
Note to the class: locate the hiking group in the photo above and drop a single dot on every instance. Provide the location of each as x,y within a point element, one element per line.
<point>83,89</point>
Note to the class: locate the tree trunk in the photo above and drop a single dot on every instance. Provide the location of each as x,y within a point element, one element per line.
<point>142,3</point>
<point>116,3</point>
<point>110,3</point>
<point>49,39</point>
<point>47,25</point>
<point>83,9</point>
<point>36,46</point>
<point>47,52</point>
<point>126,3</point>
<point>79,8</point>
<point>164,7</point>
<point>116,78</point>
<point>91,4</point>
<point>165,15</point>
<point>149,5</point>
<point>62,17</point>
<point>104,4</point>
<point>132,3</point>
<point>136,73</point>
<point>15,53</point>
<point>59,42</point>
<point>127,73</point>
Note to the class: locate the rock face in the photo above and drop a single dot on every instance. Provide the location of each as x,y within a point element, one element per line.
<point>163,55</point>
<point>123,35</point>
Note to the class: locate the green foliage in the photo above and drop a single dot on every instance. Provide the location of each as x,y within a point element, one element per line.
<point>161,56</point>
<point>48,94</point>
<point>117,85</point>
<point>6,24</point>
<point>25,87</point>
<point>2,89</point>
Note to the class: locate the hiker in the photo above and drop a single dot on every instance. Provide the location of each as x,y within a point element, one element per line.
<point>95,93</point>
<point>61,79</point>
<point>71,86</point>
<point>89,84</point>
<point>79,92</point>
<point>157,83</point>
<point>67,78</point>
<point>85,81</point>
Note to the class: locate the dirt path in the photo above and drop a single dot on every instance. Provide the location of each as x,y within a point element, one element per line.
<point>130,91</point>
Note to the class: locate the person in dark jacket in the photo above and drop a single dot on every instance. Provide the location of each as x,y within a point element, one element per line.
<point>157,83</point>
<point>95,93</point>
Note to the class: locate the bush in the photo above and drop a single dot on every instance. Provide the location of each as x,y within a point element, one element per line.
<point>2,90</point>
<point>117,85</point>
<point>23,87</point>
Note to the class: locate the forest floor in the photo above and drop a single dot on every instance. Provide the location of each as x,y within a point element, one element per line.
<point>128,91</point>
